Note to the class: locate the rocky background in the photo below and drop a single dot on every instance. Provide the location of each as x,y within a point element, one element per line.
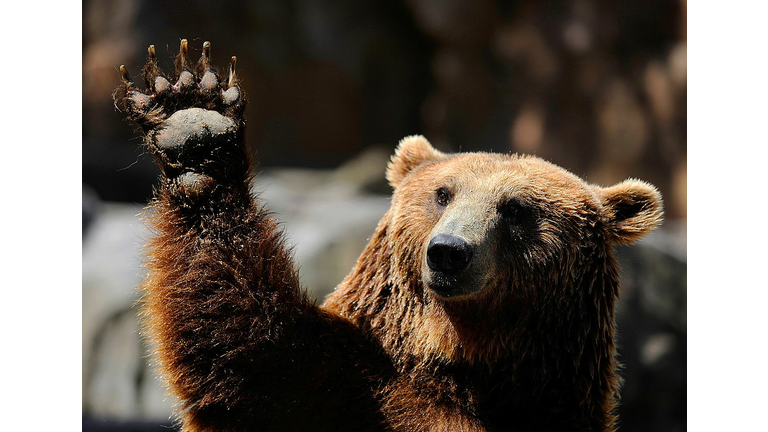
<point>596,87</point>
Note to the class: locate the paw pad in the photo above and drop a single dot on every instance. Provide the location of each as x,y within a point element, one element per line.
<point>193,124</point>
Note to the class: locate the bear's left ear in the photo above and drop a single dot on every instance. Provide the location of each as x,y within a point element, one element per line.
<point>411,152</point>
<point>632,209</point>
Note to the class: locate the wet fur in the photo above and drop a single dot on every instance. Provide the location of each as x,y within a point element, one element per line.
<point>243,347</point>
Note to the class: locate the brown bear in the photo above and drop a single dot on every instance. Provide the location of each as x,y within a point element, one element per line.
<point>484,300</point>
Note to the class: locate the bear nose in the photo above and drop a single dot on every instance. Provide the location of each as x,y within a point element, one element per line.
<point>448,254</point>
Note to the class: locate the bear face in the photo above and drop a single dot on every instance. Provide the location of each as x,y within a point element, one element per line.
<point>476,215</point>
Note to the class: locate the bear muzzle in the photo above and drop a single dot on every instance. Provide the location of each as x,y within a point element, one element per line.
<point>448,254</point>
<point>447,259</point>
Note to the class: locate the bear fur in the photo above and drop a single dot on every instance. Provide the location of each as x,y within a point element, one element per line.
<point>484,300</point>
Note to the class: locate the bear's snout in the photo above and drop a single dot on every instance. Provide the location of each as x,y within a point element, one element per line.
<point>447,258</point>
<point>456,257</point>
<point>448,254</point>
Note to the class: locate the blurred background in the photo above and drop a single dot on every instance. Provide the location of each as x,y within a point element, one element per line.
<point>596,87</point>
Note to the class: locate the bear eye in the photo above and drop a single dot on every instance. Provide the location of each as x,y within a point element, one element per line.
<point>514,212</point>
<point>443,197</point>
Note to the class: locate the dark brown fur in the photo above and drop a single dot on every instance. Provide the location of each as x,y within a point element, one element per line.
<point>243,347</point>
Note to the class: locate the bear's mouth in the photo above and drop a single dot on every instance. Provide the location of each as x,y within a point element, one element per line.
<point>451,287</point>
<point>445,287</point>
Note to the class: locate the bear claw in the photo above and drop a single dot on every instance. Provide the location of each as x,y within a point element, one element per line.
<point>206,49</point>
<point>182,61</point>
<point>189,85</point>
<point>232,77</point>
<point>124,74</point>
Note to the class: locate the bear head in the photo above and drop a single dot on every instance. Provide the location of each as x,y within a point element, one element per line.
<point>475,216</point>
<point>486,256</point>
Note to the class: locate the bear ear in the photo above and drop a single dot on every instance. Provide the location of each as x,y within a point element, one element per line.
<point>411,152</point>
<point>632,209</point>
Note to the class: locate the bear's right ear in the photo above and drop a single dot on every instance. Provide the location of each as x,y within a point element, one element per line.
<point>632,208</point>
<point>412,151</point>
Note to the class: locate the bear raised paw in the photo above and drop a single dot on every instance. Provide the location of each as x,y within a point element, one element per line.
<point>484,300</point>
<point>193,120</point>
